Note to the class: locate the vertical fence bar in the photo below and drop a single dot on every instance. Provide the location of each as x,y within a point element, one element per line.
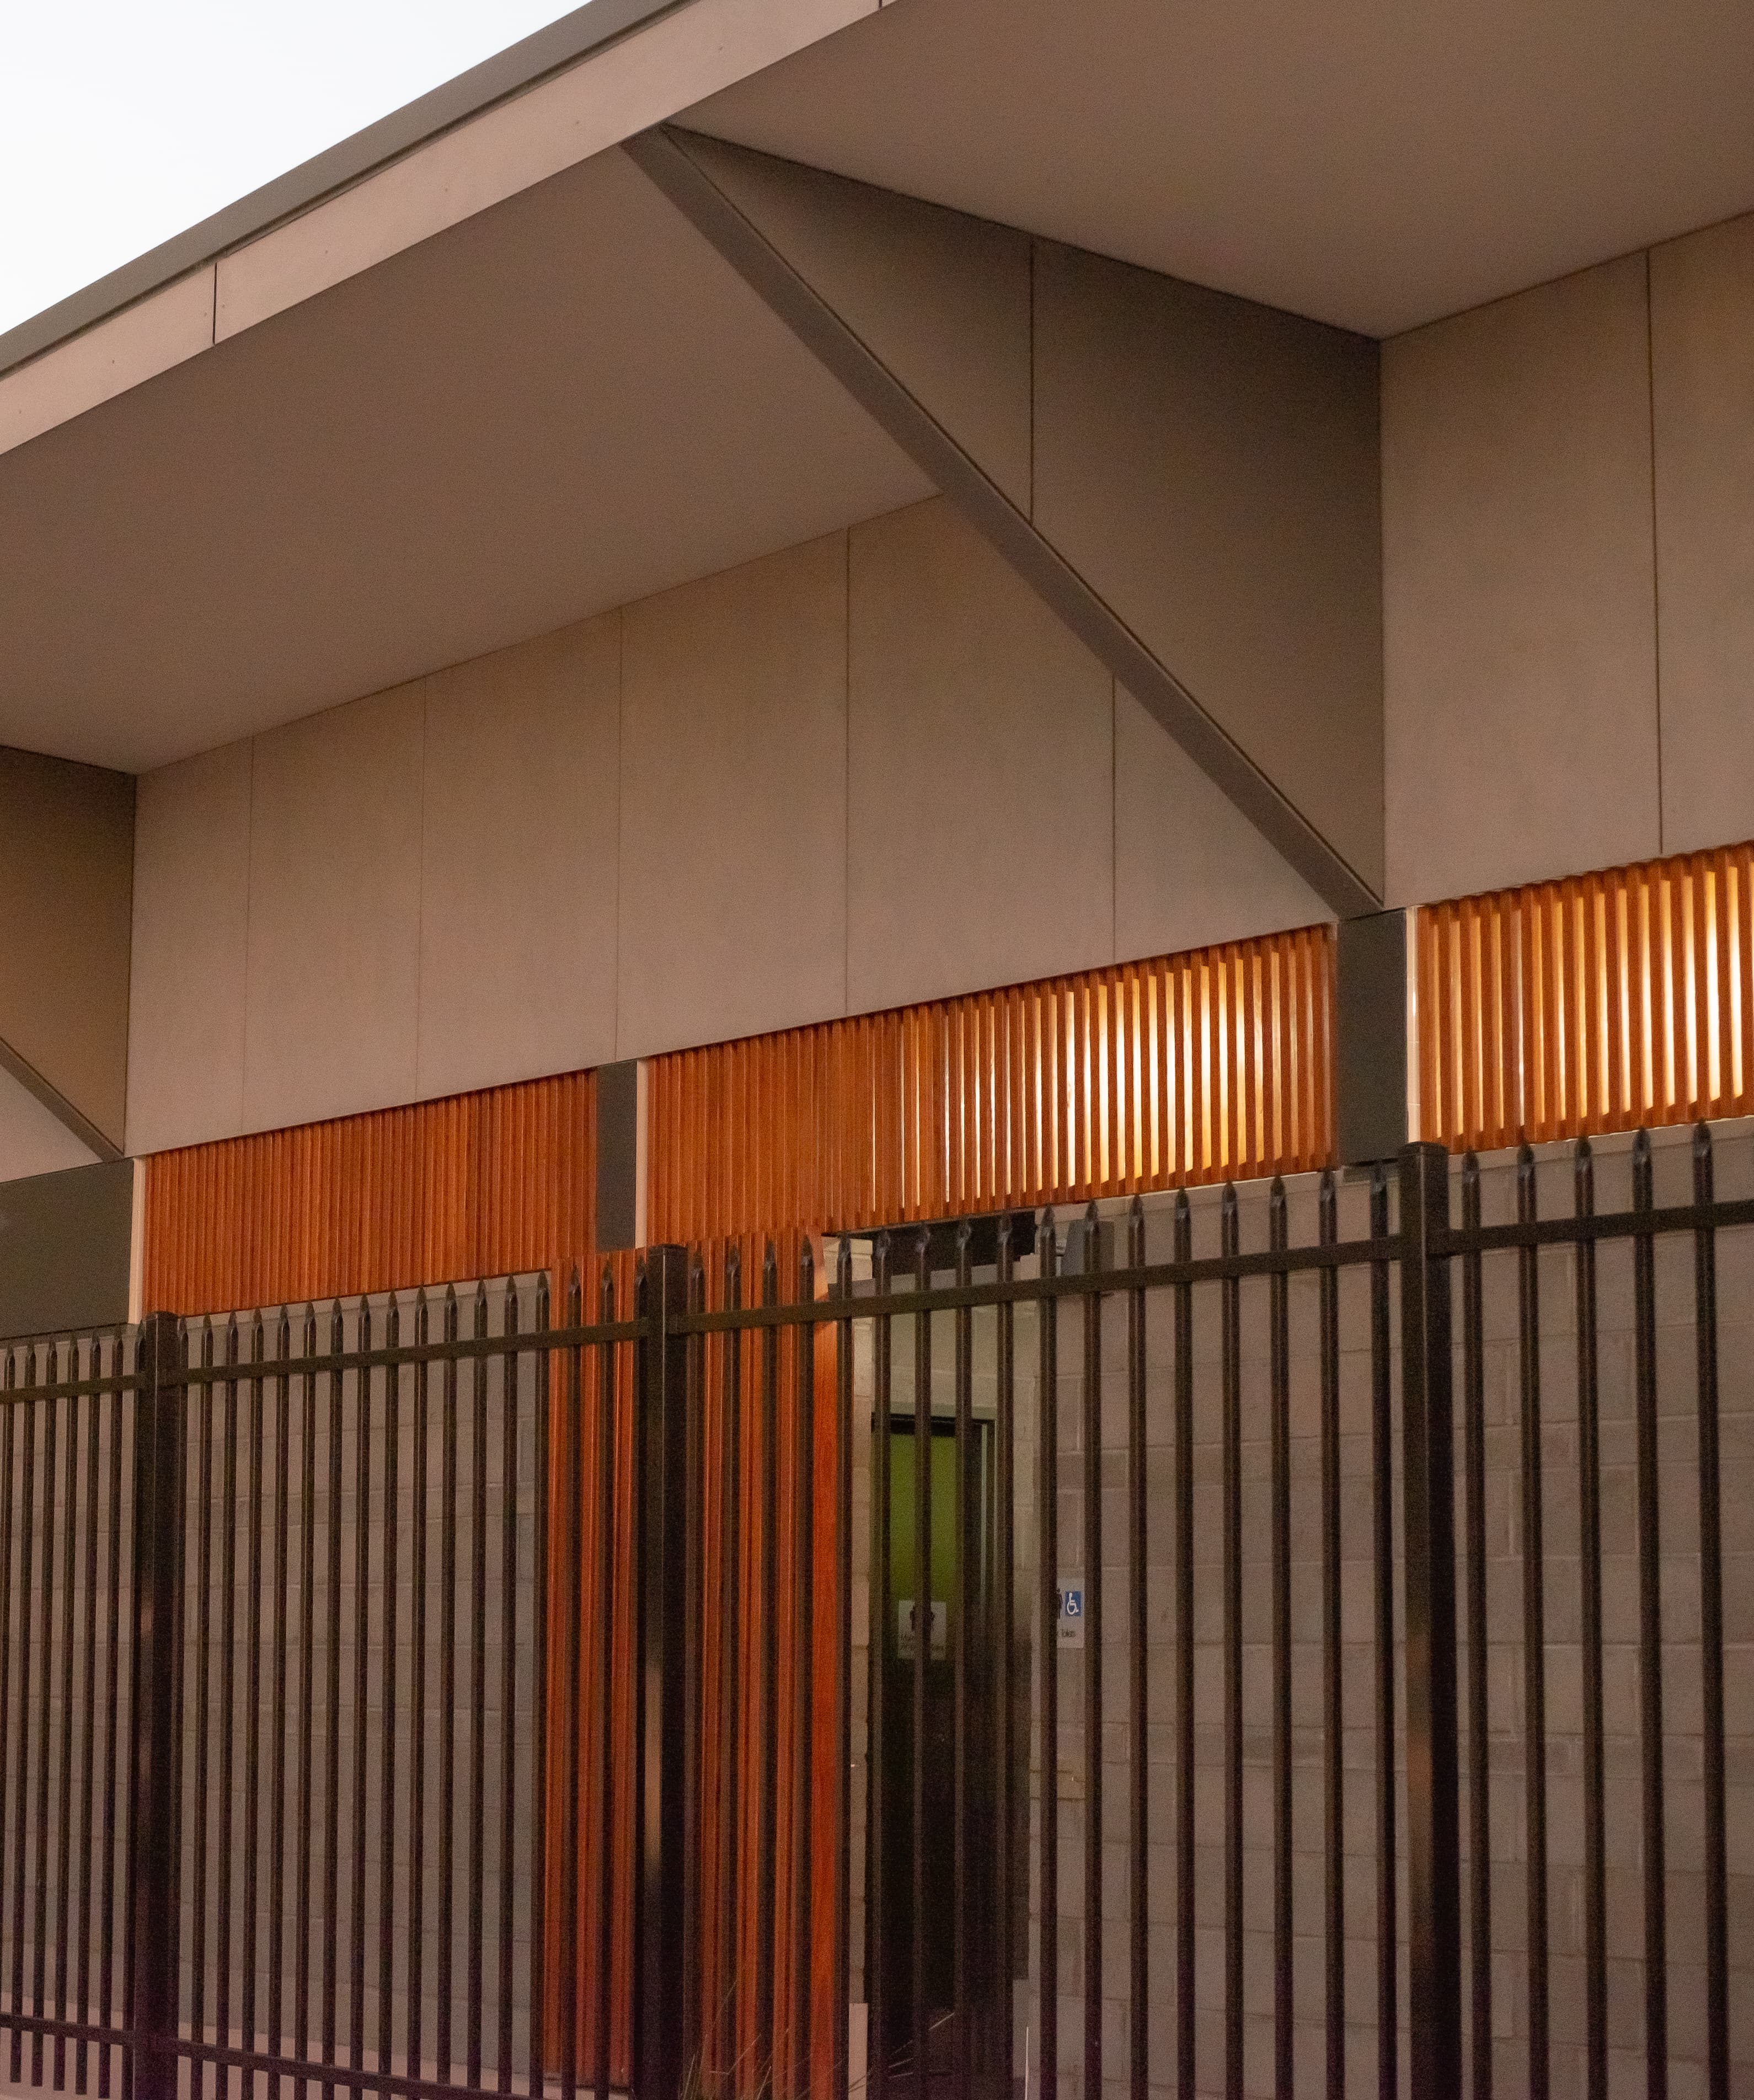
<point>730,1675</point>
<point>1428,1524</point>
<point>1333,1681</point>
<point>665,1505</point>
<point>1279,1381</point>
<point>1184,1652</point>
<point>603,1705</point>
<point>508,1673</point>
<point>1231,1334</point>
<point>1382,1579</point>
<point>1047,1638</point>
<point>961,1594</point>
<point>64,1817</point>
<point>282,1386</point>
<point>116,1775</point>
<point>39,2001</point>
<point>362,1592</point>
<point>1649,1630</point>
<point>332,1693</point>
<point>222,1995</point>
<point>94,1421</point>
<point>1711,1631</point>
<point>253,1700</point>
<point>882,1585</point>
<point>1479,1771</point>
<point>922,1649</point>
<point>694,1576</point>
<point>416,1898</point>
<point>1005,1561</point>
<point>1589,1575</point>
<point>1534,1630</point>
<point>447,1691</point>
<point>803,1677</point>
<point>843,1673</point>
<point>154,1847</point>
<point>1139,1626</point>
<point>306,1687</point>
<point>476,1925</point>
<point>11,1413</point>
<point>27,1411</point>
<point>1091,1441</point>
<point>537,2047</point>
<point>573,1562</point>
<point>198,1935</point>
<point>768,1910</point>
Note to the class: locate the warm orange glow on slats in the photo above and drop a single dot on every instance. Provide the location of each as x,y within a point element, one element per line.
<point>1596,1004</point>
<point>489,1184</point>
<point>1185,1068</point>
<point>730,1669</point>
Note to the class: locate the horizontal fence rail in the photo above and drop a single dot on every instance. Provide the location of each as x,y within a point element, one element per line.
<point>1205,1644</point>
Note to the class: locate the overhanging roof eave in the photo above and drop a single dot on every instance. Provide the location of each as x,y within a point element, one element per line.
<point>525,64</point>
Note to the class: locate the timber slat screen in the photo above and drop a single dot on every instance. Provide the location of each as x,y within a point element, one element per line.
<point>1604,1001</point>
<point>1196,1067</point>
<point>1028,1653</point>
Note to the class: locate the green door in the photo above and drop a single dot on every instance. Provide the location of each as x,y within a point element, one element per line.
<point>937,1779</point>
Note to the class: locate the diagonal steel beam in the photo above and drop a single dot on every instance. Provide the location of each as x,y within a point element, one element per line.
<point>662,154</point>
<point>58,1107</point>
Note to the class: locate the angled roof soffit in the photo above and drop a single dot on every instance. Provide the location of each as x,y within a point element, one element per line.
<point>1189,479</point>
<point>571,91</point>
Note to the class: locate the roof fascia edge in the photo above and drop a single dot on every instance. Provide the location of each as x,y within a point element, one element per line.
<point>662,154</point>
<point>509,73</point>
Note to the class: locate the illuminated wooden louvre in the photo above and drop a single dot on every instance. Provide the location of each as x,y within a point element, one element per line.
<point>1596,1003</point>
<point>1184,1069</point>
<point>489,1184</point>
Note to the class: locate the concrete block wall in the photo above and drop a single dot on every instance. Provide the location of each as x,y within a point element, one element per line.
<point>1503,1660</point>
<point>506,1879</point>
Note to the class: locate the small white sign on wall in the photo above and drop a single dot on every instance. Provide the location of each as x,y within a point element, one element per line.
<point>904,1630</point>
<point>1071,1615</point>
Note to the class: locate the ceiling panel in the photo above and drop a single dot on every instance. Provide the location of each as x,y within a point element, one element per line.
<point>1371,163</point>
<point>565,404</point>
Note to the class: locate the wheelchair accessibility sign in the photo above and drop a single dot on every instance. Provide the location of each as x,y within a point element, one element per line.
<point>1071,1615</point>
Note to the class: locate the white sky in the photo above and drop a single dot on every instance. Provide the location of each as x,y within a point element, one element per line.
<point>121,124</point>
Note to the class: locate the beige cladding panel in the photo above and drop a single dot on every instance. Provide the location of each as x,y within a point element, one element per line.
<point>519,861</point>
<point>980,771</point>
<point>636,834</point>
<point>32,1140</point>
<point>66,898</point>
<point>733,905</point>
<point>191,928</point>
<point>334,913</point>
<point>1190,869</point>
<point>1519,625</point>
<point>940,299</point>
<point>1702,337</point>
<point>1211,468</point>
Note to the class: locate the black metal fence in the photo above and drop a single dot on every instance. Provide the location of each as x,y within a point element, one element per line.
<point>1207,1648</point>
